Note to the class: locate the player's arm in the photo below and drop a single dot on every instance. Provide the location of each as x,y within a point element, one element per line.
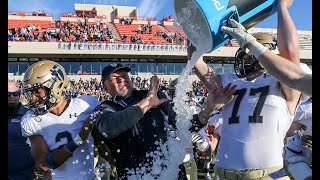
<point>204,72</point>
<point>42,156</point>
<point>286,72</point>
<point>213,141</point>
<point>46,160</point>
<point>288,45</point>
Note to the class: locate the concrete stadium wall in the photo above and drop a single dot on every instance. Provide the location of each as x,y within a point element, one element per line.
<point>106,10</point>
<point>33,49</point>
<point>43,18</point>
<point>75,19</point>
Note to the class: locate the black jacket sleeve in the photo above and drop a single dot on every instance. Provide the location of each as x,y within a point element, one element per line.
<point>111,123</point>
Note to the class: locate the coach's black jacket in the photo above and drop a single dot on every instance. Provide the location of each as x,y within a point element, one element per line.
<point>129,133</point>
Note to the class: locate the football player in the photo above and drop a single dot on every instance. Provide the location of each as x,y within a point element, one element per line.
<point>58,128</point>
<point>298,150</point>
<point>255,122</point>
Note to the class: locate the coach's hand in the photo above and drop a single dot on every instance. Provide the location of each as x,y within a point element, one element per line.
<point>152,99</point>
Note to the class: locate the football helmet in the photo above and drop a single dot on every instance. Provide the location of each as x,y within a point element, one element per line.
<point>246,64</point>
<point>50,76</point>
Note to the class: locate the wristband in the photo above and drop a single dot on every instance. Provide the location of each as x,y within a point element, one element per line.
<point>71,146</point>
<point>256,49</point>
<point>50,162</point>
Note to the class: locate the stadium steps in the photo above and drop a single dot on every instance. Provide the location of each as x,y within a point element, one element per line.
<point>114,30</point>
<point>164,31</point>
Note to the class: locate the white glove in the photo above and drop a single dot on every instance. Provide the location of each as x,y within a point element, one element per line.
<point>244,39</point>
<point>201,143</point>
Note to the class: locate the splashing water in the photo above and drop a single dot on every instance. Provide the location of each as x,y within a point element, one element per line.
<point>184,115</point>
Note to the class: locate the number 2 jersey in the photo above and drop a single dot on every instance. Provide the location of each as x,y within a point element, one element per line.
<point>255,123</point>
<point>57,131</point>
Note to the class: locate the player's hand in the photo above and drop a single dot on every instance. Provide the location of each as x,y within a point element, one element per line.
<point>217,98</point>
<point>238,32</point>
<point>47,176</point>
<point>285,3</point>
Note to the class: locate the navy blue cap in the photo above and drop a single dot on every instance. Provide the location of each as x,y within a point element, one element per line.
<point>108,70</point>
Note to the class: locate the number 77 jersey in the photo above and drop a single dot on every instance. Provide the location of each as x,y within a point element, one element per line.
<point>255,123</point>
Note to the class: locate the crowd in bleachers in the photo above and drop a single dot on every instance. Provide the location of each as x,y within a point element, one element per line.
<point>98,31</point>
<point>28,33</point>
<point>83,31</point>
<point>94,87</point>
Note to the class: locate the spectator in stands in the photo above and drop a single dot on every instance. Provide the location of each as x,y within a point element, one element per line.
<point>34,13</point>
<point>10,36</point>
<point>39,13</point>
<point>139,29</point>
<point>144,29</point>
<point>20,162</point>
<point>125,38</point>
<point>149,23</point>
<point>79,22</point>
<point>112,39</point>
<point>86,21</point>
<point>69,14</point>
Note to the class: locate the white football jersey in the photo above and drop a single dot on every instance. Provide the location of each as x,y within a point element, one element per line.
<point>255,123</point>
<point>304,116</point>
<point>306,69</point>
<point>59,130</point>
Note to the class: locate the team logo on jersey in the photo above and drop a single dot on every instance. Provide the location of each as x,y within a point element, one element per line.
<point>15,120</point>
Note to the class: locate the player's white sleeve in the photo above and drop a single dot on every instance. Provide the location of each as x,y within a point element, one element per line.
<point>29,125</point>
<point>304,115</point>
<point>92,102</point>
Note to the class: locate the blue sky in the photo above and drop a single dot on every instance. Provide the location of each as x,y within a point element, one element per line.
<point>301,10</point>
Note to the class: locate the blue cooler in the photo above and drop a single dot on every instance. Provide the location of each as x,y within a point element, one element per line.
<point>201,20</point>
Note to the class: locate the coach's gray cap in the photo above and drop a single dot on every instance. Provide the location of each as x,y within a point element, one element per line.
<point>108,70</point>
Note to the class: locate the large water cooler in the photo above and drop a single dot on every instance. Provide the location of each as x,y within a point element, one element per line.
<point>201,20</point>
